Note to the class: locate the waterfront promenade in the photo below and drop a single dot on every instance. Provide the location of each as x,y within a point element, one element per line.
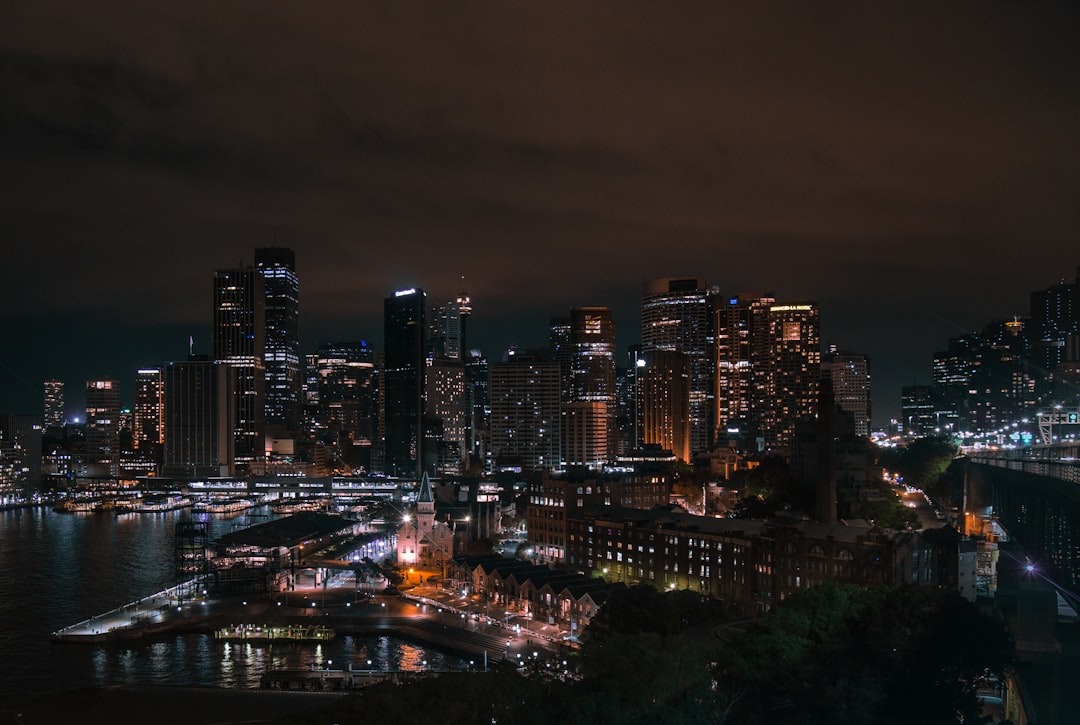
<point>422,613</point>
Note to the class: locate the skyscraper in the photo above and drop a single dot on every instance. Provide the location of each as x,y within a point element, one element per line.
<point>591,360</point>
<point>850,376</point>
<point>1055,314</point>
<point>675,317</point>
<point>446,415</point>
<point>198,431</point>
<point>54,404</point>
<point>742,356</point>
<point>281,356</point>
<point>448,327</point>
<point>239,343</point>
<point>793,372</point>
<point>103,423</point>
<point>663,388</point>
<point>346,389</point>
<point>525,412</point>
<point>20,455</point>
<point>405,331</point>
<point>148,433</point>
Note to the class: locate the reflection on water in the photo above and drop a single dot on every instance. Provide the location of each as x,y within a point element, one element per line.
<point>197,659</point>
<point>57,569</point>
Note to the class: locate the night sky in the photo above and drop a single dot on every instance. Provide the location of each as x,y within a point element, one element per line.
<point>911,167</point>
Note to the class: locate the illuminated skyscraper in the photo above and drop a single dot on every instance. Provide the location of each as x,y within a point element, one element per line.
<point>448,327</point>
<point>346,391</point>
<point>663,389</point>
<point>405,332</point>
<point>585,435</point>
<point>446,415</point>
<point>281,356</point>
<point>20,455</point>
<point>103,423</point>
<point>54,404</point>
<point>198,429</point>
<point>239,343</point>
<point>149,415</point>
<point>675,317</point>
<point>850,375</point>
<point>793,372</point>
<point>742,356</point>
<point>590,357</point>
<point>525,412</point>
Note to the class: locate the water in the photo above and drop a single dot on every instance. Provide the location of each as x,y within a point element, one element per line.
<point>57,569</point>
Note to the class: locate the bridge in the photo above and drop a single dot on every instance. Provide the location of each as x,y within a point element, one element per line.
<point>1034,493</point>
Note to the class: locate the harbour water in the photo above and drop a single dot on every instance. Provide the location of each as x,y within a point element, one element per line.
<point>61,568</point>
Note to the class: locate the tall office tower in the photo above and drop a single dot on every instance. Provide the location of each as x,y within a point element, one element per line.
<point>559,349</point>
<point>742,351</point>
<point>103,422</point>
<point>675,317</point>
<point>1055,314</point>
<point>793,372</point>
<point>311,380</point>
<point>479,434</point>
<point>446,416</point>
<point>402,388</point>
<point>592,356</point>
<point>625,411</point>
<point>663,388</point>
<point>239,343</point>
<point>592,366</point>
<point>448,327</point>
<point>54,404</point>
<point>585,435</point>
<point>347,393</point>
<point>149,418</point>
<point>525,412</point>
<point>850,377</point>
<point>20,455</point>
<point>198,408</point>
<point>281,355</point>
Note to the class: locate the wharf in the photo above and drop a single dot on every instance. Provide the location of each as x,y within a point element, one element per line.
<point>418,617</point>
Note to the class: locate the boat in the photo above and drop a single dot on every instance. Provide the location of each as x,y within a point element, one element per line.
<point>296,632</point>
<point>157,504</point>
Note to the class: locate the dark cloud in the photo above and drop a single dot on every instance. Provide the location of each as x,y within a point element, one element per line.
<point>912,167</point>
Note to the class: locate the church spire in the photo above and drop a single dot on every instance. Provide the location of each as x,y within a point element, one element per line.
<point>425,495</point>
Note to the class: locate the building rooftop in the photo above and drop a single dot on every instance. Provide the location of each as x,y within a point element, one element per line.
<point>289,532</point>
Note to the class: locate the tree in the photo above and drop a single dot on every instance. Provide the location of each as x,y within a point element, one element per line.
<point>846,654</point>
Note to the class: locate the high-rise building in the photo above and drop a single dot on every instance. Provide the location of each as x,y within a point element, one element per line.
<point>850,376</point>
<point>149,417</point>
<point>54,405</point>
<point>1055,314</point>
<point>281,355</point>
<point>675,317</point>
<point>742,354</point>
<point>446,413</point>
<point>585,435</point>
<point>346,389</point>
<point>198,405</point>
<point>239,343</point>
<point>20,455</point>
<point>477,378</point>
<point>793,373</point>
<point>402,389</point>
<point>448,328</point>
<point>525,412</point>
<point>103,423</point>
<point>590,358</point>
<point>663,388</point>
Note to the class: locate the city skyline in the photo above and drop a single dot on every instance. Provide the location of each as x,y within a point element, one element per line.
<point>912,171</point>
